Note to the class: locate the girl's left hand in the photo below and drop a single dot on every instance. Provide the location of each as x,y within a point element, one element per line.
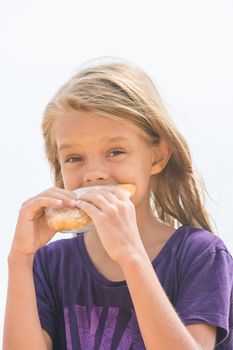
<point>114,218</point>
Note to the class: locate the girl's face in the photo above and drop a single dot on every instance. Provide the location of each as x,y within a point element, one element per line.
<point>96,150</point>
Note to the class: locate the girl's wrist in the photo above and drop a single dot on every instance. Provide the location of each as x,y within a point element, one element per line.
<point>16,257</point>
<point>129,260</point>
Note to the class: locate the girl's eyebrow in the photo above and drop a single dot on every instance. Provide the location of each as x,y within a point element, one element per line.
<point>108,140</point>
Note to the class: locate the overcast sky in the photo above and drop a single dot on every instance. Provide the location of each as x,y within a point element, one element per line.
<point>185,46</point>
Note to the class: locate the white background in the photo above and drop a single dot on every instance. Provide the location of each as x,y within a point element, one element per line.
<point>186,47</point>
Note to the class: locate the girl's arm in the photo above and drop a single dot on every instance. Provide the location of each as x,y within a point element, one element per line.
<point>159,323</point>
<point>114,218</point>
<point>22,329</point>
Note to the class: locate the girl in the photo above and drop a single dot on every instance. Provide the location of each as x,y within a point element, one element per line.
<point>150,275</point>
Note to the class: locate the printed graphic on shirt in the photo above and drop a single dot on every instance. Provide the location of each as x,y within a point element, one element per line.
<point>128,339</point>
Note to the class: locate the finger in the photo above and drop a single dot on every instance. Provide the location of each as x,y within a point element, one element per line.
<point>102,199</point>
<point>60,192</point>
<point>33,206</point>
<point>116,197</point>
<point>67,199</point>
<point>90,209</point>
<point>95,198</point>
<point>120,193</point>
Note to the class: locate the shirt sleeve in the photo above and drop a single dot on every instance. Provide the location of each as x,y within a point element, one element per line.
<point>44,295</point>
<point>205,293</point>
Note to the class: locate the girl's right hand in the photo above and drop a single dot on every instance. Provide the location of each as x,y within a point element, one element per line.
<point>32,230</point>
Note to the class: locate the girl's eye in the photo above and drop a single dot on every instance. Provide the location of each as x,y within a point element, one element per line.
<point>73,159</point>
<point>116,152</point>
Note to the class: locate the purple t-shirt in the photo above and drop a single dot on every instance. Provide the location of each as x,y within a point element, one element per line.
<point>81,309</point>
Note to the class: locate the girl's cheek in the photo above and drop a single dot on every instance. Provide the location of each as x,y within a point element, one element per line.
<point>70,183</point>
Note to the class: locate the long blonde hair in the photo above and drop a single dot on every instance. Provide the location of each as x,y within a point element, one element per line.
<point>121,90</point>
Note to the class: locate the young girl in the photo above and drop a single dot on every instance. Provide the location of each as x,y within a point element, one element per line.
<point>151,274</point>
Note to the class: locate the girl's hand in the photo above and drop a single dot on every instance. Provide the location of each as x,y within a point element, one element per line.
<point>114,217</point>
<point>32,231</point>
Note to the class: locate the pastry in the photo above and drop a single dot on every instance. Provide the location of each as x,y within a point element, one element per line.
<point>67,219</point>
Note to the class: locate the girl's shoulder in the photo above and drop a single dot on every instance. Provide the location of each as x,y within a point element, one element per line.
<point>197,243</point>
<point>60,250</point>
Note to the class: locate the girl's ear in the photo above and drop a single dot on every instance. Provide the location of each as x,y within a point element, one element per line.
<point>161,154</point>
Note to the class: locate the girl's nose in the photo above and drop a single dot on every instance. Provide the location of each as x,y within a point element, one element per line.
<point>95,177</point>
<point>95,174</point>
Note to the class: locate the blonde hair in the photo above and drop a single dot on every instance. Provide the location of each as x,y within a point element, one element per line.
<point>124,91</point>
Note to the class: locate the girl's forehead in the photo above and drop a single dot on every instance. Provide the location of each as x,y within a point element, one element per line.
<point>87,125</point>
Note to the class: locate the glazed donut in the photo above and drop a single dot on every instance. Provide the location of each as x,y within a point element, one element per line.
<point>66,219</point>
